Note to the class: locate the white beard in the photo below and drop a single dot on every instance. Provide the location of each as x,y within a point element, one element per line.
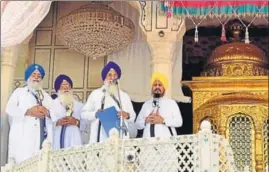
<point>34,85</point>
<point>66,98</point>
<point>112,89</point>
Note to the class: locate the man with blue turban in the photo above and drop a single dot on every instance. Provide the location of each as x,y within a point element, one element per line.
<point>105,97</point>
<point>29,109</point>
<point>69,125</point>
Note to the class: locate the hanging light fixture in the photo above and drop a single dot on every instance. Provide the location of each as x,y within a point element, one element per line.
<point>95,30</point>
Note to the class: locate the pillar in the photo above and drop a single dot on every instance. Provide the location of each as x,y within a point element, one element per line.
<point>162,49</point>
<point>259,150</point>
<point>8,65</point>
<point>162,34</point>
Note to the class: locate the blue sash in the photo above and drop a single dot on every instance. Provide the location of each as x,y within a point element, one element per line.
<point>62,136</point>
<point>43,129</point>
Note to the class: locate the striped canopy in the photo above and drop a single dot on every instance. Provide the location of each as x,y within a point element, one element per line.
<point>200,8</point>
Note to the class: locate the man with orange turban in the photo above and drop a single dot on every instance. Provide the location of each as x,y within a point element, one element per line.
<point>159,116</point>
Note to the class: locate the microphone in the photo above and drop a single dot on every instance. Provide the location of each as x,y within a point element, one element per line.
<point>103,100</point>
<point>115,81</point>
<point>155,102</point>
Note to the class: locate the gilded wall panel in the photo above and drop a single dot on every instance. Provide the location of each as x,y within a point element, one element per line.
<point>210,114</point>
<point>202,97</point>
<point>251,110</point>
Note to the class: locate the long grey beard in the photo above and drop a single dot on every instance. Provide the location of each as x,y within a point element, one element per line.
<point>66,98</point>
<point>34,85</point>
<point>112,89</point>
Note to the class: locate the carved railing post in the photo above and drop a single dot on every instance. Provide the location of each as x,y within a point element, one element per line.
<point>208,148</point>
<point>113,161</point>
<point>8,167</point>
<point>43,164</point>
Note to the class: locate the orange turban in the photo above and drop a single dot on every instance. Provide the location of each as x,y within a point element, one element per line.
<point>161,78</point>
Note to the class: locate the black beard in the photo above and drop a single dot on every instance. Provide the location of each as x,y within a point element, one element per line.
<point>156,95</point>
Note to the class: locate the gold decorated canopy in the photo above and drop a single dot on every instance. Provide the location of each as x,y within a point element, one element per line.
<point>232,94</point>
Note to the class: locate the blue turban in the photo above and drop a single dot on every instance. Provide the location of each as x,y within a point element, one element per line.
<point>59,80</point>
<point>111,65</point>
<point>31,69</point>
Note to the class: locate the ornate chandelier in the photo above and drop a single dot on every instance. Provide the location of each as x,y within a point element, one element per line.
<point>95,30</point>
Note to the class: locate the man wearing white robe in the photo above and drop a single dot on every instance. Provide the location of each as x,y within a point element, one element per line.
<point>29,108</point>
<point>104,94</point>
<point>67,132</point>
<point>159,116</point>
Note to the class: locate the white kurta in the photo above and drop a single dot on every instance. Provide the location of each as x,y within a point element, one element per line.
<point>169,110</point>
<point>24,135</point>
<point>72,133</point>
<point>93,104</point>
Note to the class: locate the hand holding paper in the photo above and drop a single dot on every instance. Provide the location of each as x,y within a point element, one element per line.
<point>109,119</point>
<point>125,115</point>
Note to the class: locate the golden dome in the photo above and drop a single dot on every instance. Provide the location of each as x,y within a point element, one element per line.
<point>236,59</point>
<point>238,51</point>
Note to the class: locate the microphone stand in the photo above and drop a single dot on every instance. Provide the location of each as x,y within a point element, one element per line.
<point>42,122</point>
<point>122,128</point>
<point>102,109</point>
<point>103,100</point>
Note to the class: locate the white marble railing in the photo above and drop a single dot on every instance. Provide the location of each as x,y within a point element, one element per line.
<point>201,152</point>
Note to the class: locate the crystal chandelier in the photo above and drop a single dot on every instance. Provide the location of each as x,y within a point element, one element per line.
<point>95,30</point>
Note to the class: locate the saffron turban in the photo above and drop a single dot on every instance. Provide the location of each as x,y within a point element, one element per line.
<point>59,80</point>
<point>161,78</point>
<point>111,65</point>
<point>31,69</point>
